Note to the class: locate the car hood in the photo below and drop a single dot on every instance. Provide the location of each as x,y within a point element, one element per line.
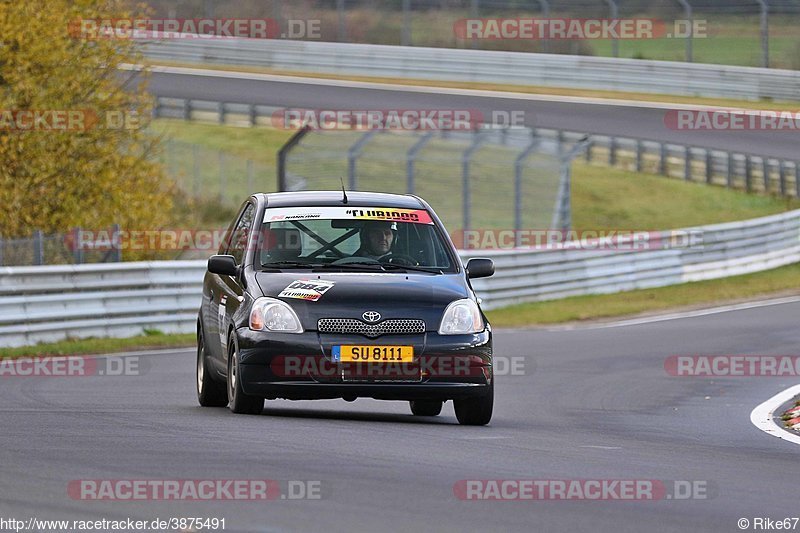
<point>393,295</point>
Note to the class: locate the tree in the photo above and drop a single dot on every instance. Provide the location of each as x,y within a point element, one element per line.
<point>73,145</point>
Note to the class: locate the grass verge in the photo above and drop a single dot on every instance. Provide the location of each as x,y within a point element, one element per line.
<point>613,198</point>
<point>101,346</point>
<point>783,280</point>
<point>258,144</point>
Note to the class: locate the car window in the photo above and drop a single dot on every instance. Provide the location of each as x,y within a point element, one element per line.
<point>238,243</point>
<point>325,235</point>
<point>226,237</point>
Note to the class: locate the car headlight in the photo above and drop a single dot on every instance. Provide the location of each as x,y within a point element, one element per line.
<point>461,316</point>
<point>269,314</point>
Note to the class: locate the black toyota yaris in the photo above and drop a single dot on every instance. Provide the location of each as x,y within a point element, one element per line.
<point>318,295</point>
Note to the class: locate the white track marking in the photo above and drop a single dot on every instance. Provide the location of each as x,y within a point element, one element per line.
<point>762,416</point>
<point>160,351</point>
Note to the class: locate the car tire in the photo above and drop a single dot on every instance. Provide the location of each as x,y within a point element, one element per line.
<point>210,392</point>
<point>239,402</point>
<point>426,407</point>
<point>476,411</point>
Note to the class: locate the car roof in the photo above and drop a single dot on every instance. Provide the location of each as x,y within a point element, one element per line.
<point>334,198</point>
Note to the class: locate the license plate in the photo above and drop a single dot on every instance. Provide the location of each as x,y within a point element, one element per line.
<point>373,354</point>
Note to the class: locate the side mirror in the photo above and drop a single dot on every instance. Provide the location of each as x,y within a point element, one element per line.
<point>479,267</point>
<point>224,265</point>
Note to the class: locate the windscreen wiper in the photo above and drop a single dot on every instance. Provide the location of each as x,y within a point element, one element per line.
<point>382,266</point>
<point>358,264</point>
<point>396,266</point>
<point>289,264</point>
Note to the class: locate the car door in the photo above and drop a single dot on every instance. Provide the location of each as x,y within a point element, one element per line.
<point>216,293</point>
<point>231,292</point>
<point>209,315</point>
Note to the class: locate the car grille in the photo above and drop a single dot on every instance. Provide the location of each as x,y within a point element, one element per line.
<point>392,326</point>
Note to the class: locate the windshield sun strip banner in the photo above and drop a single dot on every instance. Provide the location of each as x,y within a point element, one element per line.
<point>394,214</point>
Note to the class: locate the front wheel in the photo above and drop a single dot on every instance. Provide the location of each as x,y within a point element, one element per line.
<point>475,411</point>
<point>210,393</point>
<point>240,402</point>
<point>426,407</point>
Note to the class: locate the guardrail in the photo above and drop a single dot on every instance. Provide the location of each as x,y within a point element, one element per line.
<point>734,170</point>
<point>723,250</point>
<point>738,170</point>
<point>49,303</point>
<point>40,304</point>
<point>516,68</point>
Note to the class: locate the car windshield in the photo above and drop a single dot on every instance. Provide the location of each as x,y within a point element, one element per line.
<point>352,238</point>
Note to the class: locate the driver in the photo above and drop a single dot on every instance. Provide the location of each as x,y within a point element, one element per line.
<point>377,237</point>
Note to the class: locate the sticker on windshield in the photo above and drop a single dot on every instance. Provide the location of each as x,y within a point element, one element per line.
<point>394,214</point>
<point>417,216</point>
<point>304,289</point>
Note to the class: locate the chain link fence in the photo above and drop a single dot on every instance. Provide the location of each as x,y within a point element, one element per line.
<point>486,179</point>
<point>59,249</point>
<point>225,177</point>
<point>508,178</point>
<point>735,32</point>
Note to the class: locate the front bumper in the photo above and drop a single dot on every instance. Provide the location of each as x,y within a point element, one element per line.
<point>299,367</point>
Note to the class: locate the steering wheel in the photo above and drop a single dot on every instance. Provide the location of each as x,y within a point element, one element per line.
<point>400,259</point>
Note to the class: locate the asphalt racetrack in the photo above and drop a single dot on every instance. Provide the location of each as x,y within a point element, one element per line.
<point>635,120</point>
<point>589,404</point>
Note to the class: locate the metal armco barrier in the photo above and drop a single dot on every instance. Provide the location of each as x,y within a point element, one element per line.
<point>723,250</point>
<point>50,303</point>
<point>518,68</point>
<point>40,304</point>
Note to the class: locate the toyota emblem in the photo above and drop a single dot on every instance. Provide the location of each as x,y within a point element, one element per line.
<point>371,316</point>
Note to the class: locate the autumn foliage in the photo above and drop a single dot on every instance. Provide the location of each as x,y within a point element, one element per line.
<point>73,145</point>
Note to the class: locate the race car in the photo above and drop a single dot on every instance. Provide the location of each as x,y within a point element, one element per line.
<point>336,294</point>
